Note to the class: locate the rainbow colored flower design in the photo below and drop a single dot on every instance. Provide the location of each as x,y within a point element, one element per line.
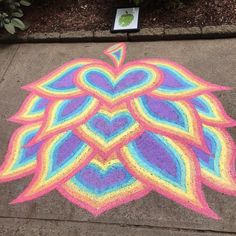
<point>105,135</point>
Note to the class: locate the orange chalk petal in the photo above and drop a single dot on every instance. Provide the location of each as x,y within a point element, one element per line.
<point>32,110</point>
<point>63,115</point>
<point>169,168</point>
<point>59,84</point>
<point>218,166</point>
<point>179,83</point>
<point>20,161</point>
<point>59,158</point>
<point>175,119</point>
<point>211,111</point>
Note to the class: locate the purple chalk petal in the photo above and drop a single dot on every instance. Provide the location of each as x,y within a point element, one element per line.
<point>163,110</point>
<point>131,79</point>
<point>42,104</point>
<point>100,81</point>
<point>30,151</point>
<point>202,155</point>
<point>172,80</point>
<point>71,145</point>
<point>66,81</point>
<point>156,154</point>
<point>199,105</point>
<point>72,105</point>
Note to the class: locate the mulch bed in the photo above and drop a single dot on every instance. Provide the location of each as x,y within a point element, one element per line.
<point>71,15</point>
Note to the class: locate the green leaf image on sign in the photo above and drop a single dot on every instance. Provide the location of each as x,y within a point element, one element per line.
<point>126,19</point>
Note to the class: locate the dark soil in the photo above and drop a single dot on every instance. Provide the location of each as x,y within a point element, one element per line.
<point>72,15</point>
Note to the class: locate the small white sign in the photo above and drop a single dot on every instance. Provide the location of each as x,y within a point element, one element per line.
<point>126,19</point>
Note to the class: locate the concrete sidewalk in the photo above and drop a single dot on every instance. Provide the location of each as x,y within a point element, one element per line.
<point>213,60</point>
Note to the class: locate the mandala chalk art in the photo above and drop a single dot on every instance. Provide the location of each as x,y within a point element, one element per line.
<point>104,135</point>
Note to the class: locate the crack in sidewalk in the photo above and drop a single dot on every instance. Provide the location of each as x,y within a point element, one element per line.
<point>8,65</point>
<point>123,225</point>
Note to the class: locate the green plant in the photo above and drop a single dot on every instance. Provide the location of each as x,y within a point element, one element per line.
<point>10,12</point>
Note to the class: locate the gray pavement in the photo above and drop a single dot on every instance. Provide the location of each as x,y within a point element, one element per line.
<point>213,60</point>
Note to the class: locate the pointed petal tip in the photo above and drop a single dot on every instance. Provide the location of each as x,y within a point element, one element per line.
<point>220,87</point>
<point>19,200</point>
<point>208,212</point>
<point>25,87</point>
<point>213,215</point>
<point>114,47</point>
<point>15,201</point>
<point>23,197</point>
<point>232,124</point>
<point>227,124</point>
<point>11,119</point>
<point>8,177</point>
<point>226,88</point>
<point>96,213</point>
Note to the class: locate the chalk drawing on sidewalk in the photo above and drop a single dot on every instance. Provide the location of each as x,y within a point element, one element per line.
<point>106,135</point>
